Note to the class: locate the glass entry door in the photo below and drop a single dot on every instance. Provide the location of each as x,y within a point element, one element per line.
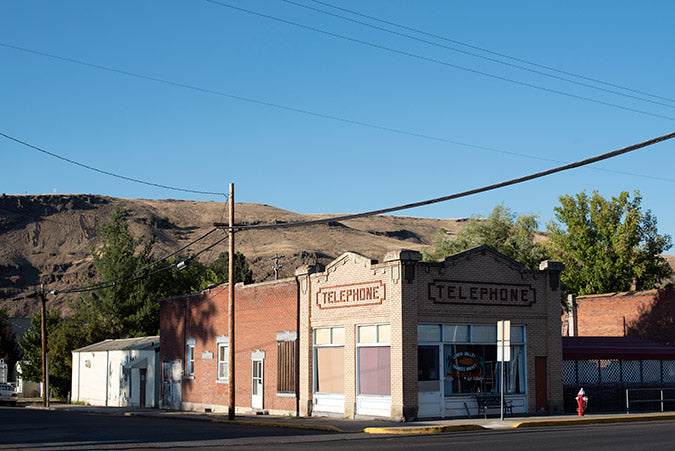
<point>257,384</point>
<point>429,390</point>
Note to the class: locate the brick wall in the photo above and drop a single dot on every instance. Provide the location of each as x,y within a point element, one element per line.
<point>638,313</point>
<point>261,311</point>
<point>608,315</point>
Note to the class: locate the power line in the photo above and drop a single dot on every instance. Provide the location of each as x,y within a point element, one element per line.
<point>492,52</point>
<point>483,189</point>
<point>295,110</point>
<point>122,278</point>
<point>110,284</point>
<point>125,278</point>
<point>476,55</point>
<point>437,61</point>
<point>267,103</point>
<point>112,174</point>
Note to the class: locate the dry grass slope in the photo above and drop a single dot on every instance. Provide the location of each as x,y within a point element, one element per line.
<point>47,238</point>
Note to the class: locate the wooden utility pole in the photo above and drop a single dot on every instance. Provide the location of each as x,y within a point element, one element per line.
<point>45,385</point>
<point>276,266</point>
<point>230,306</point>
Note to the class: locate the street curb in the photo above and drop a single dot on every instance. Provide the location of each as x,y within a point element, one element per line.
<point>318,427</point>
<point>422,430</point>
<point>523,424</point>
<point>603,420</point>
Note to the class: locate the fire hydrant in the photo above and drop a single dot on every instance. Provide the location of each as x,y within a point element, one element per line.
<point>582,401</point>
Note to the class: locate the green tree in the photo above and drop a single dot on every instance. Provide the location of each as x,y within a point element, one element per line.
<point>605,243</point>
<point>242,272</point>
<point>63,335</point>
<point>128,308</point>
<point>501,230</point>
<point>124,309</point>
<point>9,347</point>
<point>31,344</point>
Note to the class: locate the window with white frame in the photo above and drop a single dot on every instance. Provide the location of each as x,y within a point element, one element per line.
<point>223,343</point>
<point>329,346</point>
<point>190,357</point>
<point>374,359</point>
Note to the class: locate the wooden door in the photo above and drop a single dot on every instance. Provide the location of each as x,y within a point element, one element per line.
<point>540,383</point>
<point>142,386</point>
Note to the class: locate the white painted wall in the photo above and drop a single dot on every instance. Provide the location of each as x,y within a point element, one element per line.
<point>101,379</point>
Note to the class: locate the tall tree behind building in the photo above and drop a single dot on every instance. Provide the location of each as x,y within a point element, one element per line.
<point>604,243</point>
<point>9,347</point>
<point>502,230</point>
<point>129,308</point>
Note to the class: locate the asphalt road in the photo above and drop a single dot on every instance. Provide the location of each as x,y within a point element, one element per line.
<point>54,430</point>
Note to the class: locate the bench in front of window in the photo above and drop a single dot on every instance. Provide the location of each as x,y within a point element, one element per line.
<point>492,401</point>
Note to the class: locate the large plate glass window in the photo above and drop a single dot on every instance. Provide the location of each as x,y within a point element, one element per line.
<point>469,358</point>
<point>374,359</point>
<point>329,359</point>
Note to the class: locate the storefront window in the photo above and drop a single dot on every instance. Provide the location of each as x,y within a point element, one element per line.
<point>469,358</point>
<point>474,369</point>
<point>330,373</point>
<point>329,356</point>
<point>374,359</point>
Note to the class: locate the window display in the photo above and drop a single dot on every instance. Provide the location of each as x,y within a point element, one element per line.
<point>469,359</point>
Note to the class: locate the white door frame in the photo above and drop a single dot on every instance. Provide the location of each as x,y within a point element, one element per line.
<point>257,382</point>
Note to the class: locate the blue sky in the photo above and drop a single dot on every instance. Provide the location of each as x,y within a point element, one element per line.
<point>201,140</point>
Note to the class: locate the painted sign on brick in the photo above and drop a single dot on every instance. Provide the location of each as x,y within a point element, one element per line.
<point>351,295</point>
<point>481,293</point>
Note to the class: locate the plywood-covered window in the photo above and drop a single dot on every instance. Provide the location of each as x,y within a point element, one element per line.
<point>329,359</point>
<point>286,365</point>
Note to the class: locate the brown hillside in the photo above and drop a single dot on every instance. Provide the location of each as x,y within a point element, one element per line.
<point>46,238</point>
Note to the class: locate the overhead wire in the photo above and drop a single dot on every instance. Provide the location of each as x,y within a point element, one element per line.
<point>483,189</point>
<point>437,61</point>
<point>300,111</point>
<point>492,52</point>
<point>112,174</point>
<point>269,104</point>
<point>126,278</point>
<point>476,55</point>
<point>117,280</point>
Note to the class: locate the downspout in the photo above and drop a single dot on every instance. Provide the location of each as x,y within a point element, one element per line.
<point>184,337</point>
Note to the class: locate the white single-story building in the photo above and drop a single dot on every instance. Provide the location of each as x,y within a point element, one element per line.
<point>117,373</point>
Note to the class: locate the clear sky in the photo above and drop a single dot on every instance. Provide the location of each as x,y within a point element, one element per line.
<point>217,123</point>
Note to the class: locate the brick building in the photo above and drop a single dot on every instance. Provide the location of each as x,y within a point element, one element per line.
<point>194,347</point>
<point>648,314</point>
<point>399,338</point>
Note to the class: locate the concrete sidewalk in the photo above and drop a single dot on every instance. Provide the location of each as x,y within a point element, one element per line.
<point>369,426</point>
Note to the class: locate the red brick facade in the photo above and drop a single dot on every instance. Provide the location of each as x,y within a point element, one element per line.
<point>648,314</point>
<point>262,311</point>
